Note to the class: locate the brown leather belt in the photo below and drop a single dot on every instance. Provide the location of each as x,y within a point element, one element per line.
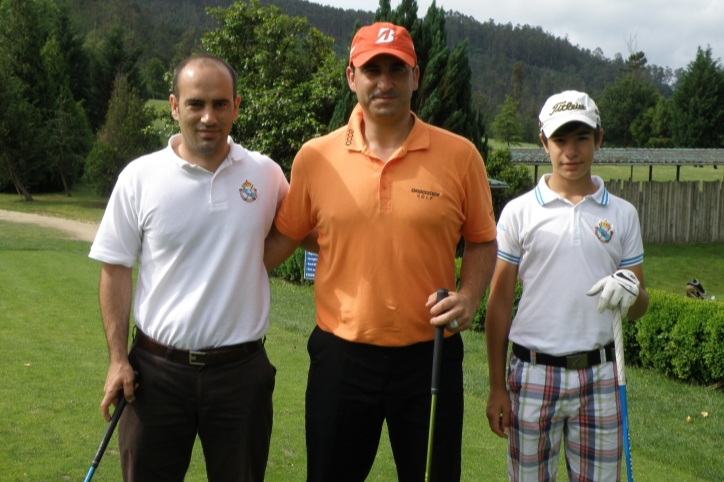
<point>217,356</point>
<point>574,361</point>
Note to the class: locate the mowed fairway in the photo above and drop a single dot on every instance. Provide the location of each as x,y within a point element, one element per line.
<point>54,362</point>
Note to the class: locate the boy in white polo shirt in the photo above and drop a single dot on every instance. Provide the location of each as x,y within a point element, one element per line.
<point>565,239</point>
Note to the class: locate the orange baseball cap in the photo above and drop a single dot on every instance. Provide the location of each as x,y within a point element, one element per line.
<point>382,38</point>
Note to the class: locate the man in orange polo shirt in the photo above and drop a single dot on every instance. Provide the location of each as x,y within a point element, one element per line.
<point>390,197</point>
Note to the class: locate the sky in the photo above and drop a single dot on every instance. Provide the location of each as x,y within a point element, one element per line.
<point>667,31</point>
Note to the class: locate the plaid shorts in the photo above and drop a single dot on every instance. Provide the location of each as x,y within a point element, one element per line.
<point>549,403</point>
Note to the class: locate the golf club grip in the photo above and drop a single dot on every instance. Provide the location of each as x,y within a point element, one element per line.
<point>437,347</point>
<point>109,431</point>
<point>618,343</point>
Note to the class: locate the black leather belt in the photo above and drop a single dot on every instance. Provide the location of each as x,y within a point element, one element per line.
<point>217,356</point>
<point>574,361</point>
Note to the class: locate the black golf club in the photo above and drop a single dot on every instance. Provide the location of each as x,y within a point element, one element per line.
<point>109,432</point>
<point>436,362</point>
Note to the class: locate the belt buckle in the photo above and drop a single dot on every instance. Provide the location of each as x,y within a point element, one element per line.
<point>192,358</point>
<point>576,362</point>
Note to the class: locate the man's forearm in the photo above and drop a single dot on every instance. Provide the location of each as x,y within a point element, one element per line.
<point>115,292</point>
<point>476,269</point>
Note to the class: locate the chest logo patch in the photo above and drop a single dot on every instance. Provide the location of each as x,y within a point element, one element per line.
<point>423,194</point>
<point>604,231</point>
<point>248,192</point>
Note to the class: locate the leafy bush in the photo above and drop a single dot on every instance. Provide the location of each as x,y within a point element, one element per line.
<point>680,337</point>
<point>499,166</point>
<point>292,269</point>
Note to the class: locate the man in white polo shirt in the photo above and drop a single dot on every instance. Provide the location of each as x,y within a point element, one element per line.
<point>562,238</point>
<point>196,215</point>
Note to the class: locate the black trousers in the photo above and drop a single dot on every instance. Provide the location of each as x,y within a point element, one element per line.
<point>229,406</point>
<point>353,388</point>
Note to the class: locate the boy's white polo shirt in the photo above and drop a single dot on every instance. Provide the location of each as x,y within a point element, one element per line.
<point>561,250</point>
<point>200,239</point>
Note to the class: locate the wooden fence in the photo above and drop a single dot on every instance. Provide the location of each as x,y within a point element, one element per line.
<point>676,212</point>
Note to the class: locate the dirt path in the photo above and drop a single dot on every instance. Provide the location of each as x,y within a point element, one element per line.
<point>77,229</point>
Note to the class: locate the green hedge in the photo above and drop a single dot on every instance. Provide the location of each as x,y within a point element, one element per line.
<point>681,337</point>
<point>292,269</point>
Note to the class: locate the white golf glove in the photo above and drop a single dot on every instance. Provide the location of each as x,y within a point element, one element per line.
<point>620,289</point>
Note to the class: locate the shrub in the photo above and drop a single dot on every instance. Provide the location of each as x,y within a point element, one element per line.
<point>681,337</point>
<point>292,269</point>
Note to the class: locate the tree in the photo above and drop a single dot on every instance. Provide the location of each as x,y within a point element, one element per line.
<point>506,126</point>
<point>154,74</point>
<point>75,56</point>
<point>621,104</point>
<point>14,168</point>
<point>288,77</point>
<point>67,130</point>
<point>114,58</point>
<point>346,99</point>
<point>698,104</point>
<point>499,166</point>
<point>25,27</point>
<point>653,128</point>
<point>126,135</point>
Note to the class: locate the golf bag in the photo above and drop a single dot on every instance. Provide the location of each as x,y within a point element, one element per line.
<point>695,290</point>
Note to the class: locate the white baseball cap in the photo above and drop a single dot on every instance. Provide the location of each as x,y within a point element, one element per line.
<point>568,106</point>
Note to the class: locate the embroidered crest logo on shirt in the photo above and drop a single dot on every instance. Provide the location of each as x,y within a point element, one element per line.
<point>248,192</point>
<point>385,36</point>
<point>604,231</point>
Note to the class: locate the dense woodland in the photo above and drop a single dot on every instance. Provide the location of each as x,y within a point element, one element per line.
<point>169,29</point>
<point>79,72</point>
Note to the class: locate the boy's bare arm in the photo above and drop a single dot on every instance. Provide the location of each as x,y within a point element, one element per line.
<point>497,327</point>
<point>638,309</point>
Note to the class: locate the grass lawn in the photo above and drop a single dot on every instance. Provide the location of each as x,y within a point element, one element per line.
<point>641,173</point>
<point>83,205</point>
<point>54,365</point>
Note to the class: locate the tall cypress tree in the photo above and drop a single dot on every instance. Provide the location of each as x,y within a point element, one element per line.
<point>698,110</point>
<point>113,59</point>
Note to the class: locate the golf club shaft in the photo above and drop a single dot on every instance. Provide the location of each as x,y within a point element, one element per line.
<point>436,363</point>
<point>106,437</point>
<point>621,366</point>
<point>109,431</point>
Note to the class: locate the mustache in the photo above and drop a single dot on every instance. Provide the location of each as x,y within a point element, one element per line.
<point>390,94</point>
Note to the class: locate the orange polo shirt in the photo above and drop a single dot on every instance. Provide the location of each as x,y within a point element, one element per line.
<point>387,231</point>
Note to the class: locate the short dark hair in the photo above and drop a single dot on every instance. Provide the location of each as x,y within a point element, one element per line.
<point>204,58</point>
<point>569,127</point>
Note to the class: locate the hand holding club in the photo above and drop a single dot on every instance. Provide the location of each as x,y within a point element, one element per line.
<point>619,290</point>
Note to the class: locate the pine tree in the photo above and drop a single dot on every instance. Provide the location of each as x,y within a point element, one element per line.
<point>125,135</point>
<point>698,104</point>
<point>114,58</point>
<point>25,26</point>
<point>346,99</point>
<point>506,125</point>
<point>68,133</point>
<point>75,56</point>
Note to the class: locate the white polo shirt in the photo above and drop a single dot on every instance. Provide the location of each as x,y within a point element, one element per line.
<point>561,251</point>
<point>200,239</point>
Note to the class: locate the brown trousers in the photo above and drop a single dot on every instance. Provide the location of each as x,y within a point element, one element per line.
<point>229,406</point>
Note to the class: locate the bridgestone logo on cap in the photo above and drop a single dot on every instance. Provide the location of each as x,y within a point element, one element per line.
<point>385,36</point>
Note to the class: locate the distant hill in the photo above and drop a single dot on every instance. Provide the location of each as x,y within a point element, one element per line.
<point>170,29</point>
